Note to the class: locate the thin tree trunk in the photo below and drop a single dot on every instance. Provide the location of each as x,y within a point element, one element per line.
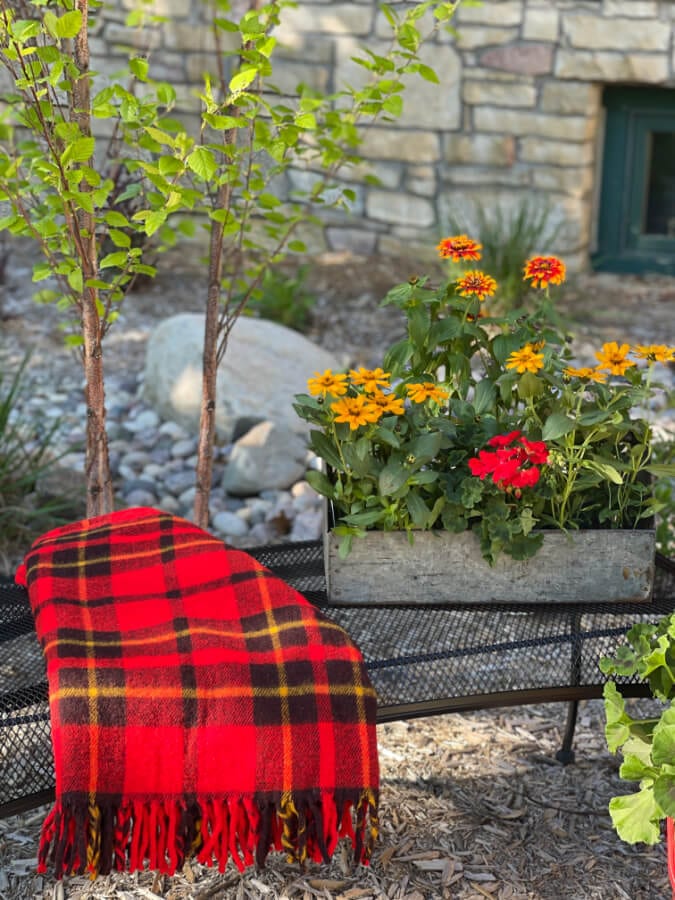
<point>97,464</point>
<point>207,418</point>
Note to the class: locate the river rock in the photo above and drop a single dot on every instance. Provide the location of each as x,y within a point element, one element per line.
<point>269,456</point>
<point>264,367</point>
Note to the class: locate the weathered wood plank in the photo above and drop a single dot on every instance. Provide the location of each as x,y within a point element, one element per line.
<point>581,567</point>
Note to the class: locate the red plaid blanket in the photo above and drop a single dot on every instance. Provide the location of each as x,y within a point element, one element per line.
<point>200,706</point>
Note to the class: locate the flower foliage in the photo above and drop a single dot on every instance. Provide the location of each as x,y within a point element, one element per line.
<point>484,422</point>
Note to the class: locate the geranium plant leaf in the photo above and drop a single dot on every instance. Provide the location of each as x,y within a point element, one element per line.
<point>636,817</point>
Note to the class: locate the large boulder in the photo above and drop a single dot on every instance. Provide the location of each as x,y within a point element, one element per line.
<point>264,367</point>
<point>269,457</point>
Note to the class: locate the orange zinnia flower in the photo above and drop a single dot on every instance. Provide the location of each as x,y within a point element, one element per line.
<point>525,360</point>
<point>459,247</point>
<point>614,358</point>
<point>655,352</point>
<point>370,379</point>
<point>476,283</point>
<point>586,373</point>
<point>327,384</point>
<point>388,403</point>
<point>418,393</point>
<point>356,411</point>
<point>544,270</point>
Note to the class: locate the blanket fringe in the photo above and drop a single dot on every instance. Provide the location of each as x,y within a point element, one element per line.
<point>96,838</point>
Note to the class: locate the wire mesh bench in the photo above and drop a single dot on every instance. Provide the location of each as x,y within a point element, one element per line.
<point>422,660</point>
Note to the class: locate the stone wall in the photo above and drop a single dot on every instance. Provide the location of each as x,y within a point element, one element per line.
<point>518,111</point>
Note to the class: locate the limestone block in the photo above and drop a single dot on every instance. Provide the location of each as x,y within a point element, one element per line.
<point>498,94</point>
<point>608,67</point>
<point>400,208</point>
<point>406,146</point>
<point>354,240</point>
<point>563,98</point>
<point>264,367</point>
<point>577,181</point>
<point>588,32</point>
<point>480,149</point>
<point>526,59</point>
<point>288,75</point>
<point>558,153</point>
<point>422,181</point>
<point>301,48</point>
<point>542,24</point>
<point>138,38</point>
<point>183,37</point>
<point>334,18</point>
<point>497,12</point>
<point>474,37</point>
<point>526,122</point>
<point>638,9</point>
<point>514,176</point>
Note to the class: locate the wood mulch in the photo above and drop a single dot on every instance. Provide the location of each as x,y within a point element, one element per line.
<point>473,805</point>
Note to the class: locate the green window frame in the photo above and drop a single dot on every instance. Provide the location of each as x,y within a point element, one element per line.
<point>639,123</point>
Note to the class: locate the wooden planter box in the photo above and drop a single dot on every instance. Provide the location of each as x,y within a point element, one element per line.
<point>580,567</point>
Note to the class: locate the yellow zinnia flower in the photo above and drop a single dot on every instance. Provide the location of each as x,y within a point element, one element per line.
<point>586,373</point>
<point>614,358</point>
<point>655,352</point>
<point>369,379</point>
<point>388,403</point>
<point>418,393</point>
<point>327,384</point>
<point>525,360</point>
<point>356,411</point>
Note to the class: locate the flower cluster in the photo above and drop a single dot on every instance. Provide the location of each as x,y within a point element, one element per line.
<point>512,464</point>
<point>486,422</point>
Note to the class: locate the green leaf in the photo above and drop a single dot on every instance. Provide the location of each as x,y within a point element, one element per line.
<point>419,511</point>
<point>365,518</point>
<point>529,386</point>
<point>67,25</point>
<point>243,78</point>
<point>138,66</point>
<point>664,792</point>
<point>485,396</point>
<point>663,746</point>
<point>392,477</point>
<point>320,482</point>
<point>556,426</point>
<point>427,73</point>
<point>202,162</point>
<point>636,817</point>
<point>80,150</point>
<point>115,219</point>
<point>393,105</point>
<point>111,260</point>
<point>604,469</point>
<point>325,448</point>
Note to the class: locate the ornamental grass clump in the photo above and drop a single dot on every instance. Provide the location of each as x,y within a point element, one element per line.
<point>485,422</point>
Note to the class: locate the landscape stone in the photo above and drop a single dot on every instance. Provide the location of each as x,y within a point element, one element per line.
<point>230,524</point>
<point>265,366</point>
<point>268,456</point>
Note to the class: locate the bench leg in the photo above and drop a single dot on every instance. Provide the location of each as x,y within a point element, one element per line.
<point>566,755</point>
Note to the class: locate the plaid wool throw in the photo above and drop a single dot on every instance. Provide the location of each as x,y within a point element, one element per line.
<point>200,706</point>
